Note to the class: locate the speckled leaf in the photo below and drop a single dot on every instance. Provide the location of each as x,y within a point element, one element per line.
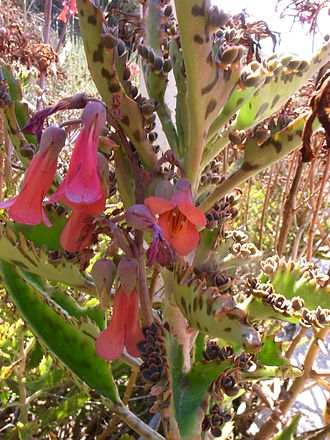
<point>212,313</point>
<point>101,64</point>
<point>208,83</point>
<point>289,431</point>
<point>258,157</point>
<point>275,92</point>
<point>41,235</point>
<point>60,334</point>
<point>271,353</point>
<point>24,254</point>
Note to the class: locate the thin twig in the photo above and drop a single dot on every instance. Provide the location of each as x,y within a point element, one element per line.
<point>316,208</point>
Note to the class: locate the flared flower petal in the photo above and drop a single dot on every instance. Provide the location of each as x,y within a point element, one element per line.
<point>27,207</point>
<point>177,219</point>
<point>78,231</point>
<point>193,214</point>
<point>123,329</point>
<point>82,185</point>
<point>157,205</point>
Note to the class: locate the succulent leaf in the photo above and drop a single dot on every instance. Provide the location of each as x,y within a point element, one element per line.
<point>289,431</point>
<point>208,83</point>
<point>212,313</point>
<point>60,334</point>
<point>101,63</point>
<point>24,254</point>
<point>278,89</point>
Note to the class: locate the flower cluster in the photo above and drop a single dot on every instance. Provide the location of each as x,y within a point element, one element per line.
<point>83,189</point>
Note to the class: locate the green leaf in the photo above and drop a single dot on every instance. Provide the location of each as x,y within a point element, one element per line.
<point>60,334</point>
<point>41,235</point>
<point>52,417</point>
<point>212,313</point>
<point>277,90</point>
<point>271,353</point>
<point>289,431</point>
<point>101,63</point>
<point>23,253</point>
<point>22,432</point>
<point>189,391</point>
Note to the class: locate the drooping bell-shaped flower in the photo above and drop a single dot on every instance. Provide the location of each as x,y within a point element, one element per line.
<point>140,217</point>
<point>27,206</point>
<point>82,186</point>
<point>78,232</point>
<point>69,8</point>
<point>178,218</point>
<point>123,330</point>
<point>35,123</point>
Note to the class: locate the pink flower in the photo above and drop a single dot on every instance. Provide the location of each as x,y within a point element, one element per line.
<point>27,206</point>
<point>78,232</point>
<point>82,186</point>
<point>178,218</point>
<point>35,123</point>
<point>123,329</point>
<point>72,10</point>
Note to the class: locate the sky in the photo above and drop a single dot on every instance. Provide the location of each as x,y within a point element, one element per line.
<point>295,41</point>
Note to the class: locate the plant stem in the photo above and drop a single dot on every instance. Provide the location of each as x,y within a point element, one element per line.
<point>317,208</point>
<point>268,428</point>
<point>146,309</point>
<point>265,206</point>
<point>135,423</point>
<point>289,209</point>
<point>23,415</point>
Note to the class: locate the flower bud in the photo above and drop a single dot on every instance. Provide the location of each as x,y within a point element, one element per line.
<point>140,217</point>
<point>103,273</point>
<point>128,271</point>
<point>164,189</point>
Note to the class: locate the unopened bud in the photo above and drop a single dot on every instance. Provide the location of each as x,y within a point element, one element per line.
<point>164,189</point>
<point>128,271</point>
<point>140,217</point>
<point>103,273</point>
<point>54,138</point>
<point>109,41</point>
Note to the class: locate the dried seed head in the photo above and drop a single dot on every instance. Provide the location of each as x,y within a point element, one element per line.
<point>168,11</point>
<point>229,55</point>
<point>226,352</point>
<point>128,270</point>
<point>211,351</point>
<point>121,48</point>
<point>109,41</point>
<point>167,65</point>
<point>126,74</point>
<point>217,18</point>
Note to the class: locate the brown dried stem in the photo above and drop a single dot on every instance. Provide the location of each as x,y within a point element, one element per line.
<point>316,208</point>
<point>268,428</point>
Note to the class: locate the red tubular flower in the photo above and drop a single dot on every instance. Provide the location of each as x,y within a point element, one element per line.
<point>178,218</point>
<point>82,186</point>
<point>123,329</point>
<point>27,206</point>
<point>72,10</point>
<point>78,232</point>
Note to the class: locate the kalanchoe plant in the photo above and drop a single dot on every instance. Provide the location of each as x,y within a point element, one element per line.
<point>171,224</point>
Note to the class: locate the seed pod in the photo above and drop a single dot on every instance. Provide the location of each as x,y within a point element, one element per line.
<point>228,385</point>
<point>128,270</point>
<point>229,55</point>
<point>167,65</point>
<point>151,56</point>
<point>251,80</point>
<point>217,18</point>
<point>261,135</point>
<point>286,60</point>
<point>240,54</point>
<point>109,41</point>
<point>235,137</point>
<point>254,66</point>
<point>157,63</point>
<point>28,151</point>
<point>211,351</point>
<point>303,66</point>
<point>168,11</point>
<point>121,48</point>
<point>126,74</point>
<point>294,64</point>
